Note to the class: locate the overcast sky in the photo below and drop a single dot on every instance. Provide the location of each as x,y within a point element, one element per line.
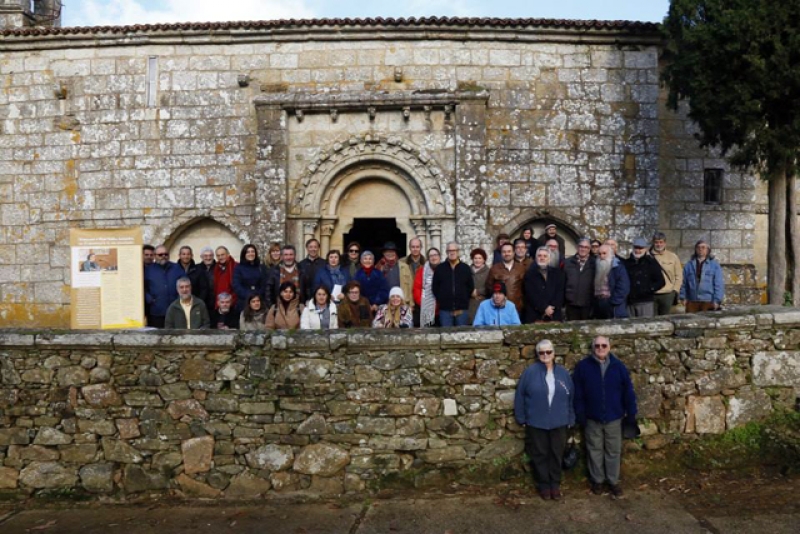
<point>122,12</point>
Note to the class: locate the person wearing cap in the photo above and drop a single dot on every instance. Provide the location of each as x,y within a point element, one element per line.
<point>646,279</point>
<point>703,284</point>
<point>667,296</point>
<point>498,310</point>
<point>397,273</point>
<point>551,232</point>
<point>395,314</point>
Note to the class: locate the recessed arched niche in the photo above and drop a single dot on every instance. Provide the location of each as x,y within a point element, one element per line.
<point>204,233</point>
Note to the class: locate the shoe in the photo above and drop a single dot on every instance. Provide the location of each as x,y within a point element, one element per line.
<point>545,494</point>
<point>597,488</point>
<point>556,494</point>
<point>616,492</point>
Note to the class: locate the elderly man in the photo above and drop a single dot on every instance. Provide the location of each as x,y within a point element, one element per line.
<point>286,271</point>
<point>415,259</point>
<point>187,312</point>
<point>544,290</point>
<point>224,317</point>
<point>604,399</point>
<point>497,310</point>
<point>703,284</point>
<point>671,268</point>
<point>206,266</point>
<point>556,259</point>
<point>611,286</point>
<point>397,273</point>
<point>646,278</point>
<point>452,286</point>
<point>511,273</point>
<point>551,232</point>
<point>160,279</point>
<point>579,282</point>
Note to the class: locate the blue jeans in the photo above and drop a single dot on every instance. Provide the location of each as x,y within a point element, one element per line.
<point>447,318</point>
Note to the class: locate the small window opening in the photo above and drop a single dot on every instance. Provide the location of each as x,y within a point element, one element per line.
<point>712,186</point>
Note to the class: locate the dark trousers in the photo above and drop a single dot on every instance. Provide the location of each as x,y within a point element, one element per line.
<point>578,313</point>
<point>694,306</point>
<point>545,448</point>
<point>603,309</point>
<point>156,321</point>
<point>415,315</point>
<point>664,302</point>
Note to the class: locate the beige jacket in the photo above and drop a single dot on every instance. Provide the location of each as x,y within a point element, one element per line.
<point>672,270</point>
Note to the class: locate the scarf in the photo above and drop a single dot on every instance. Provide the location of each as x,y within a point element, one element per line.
<point>428,305</point>
<point>368,271</point>
<point>391,319</point>
<point>337,277</point>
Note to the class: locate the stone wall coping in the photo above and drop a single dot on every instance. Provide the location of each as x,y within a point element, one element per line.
<point>744,318</point>
<point>37,39</point>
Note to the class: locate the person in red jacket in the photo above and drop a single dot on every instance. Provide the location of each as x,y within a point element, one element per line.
<point>223,274</point>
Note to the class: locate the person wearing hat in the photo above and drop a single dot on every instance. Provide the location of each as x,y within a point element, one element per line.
<point>397,273</point>
<point>551,232</point>
<point>646,277</point>
<point>498,310</point>
<point>395,314</point>
<point>703,286</point>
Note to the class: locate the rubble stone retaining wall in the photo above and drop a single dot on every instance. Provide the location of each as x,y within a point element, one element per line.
<point>239,415</point>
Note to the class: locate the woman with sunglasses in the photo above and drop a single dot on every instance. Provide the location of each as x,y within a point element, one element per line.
<point>351,260</point>
<point>543,405</point>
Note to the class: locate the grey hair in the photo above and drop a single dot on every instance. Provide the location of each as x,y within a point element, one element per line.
<point>206,249</point>
<point>544,249</point>
<point>224,295</point>
<point>367,253</point>
<point>544,344</point>
<point>659,236</point>
<point>455,243</point>
<point>183,279</point>
<point>584,240</point>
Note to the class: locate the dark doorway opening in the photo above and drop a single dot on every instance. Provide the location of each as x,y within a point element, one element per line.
<point>372,234</point>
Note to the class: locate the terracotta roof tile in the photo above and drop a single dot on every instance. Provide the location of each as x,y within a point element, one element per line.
<point>624,25</point>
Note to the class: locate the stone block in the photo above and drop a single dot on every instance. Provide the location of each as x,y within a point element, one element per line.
<point>176,391</point>
<point>443,455</point>
<point>776,368</point>
<point>84,453</point>
<point>257,408</point>
<point>197,454</point>
<point>72,376</point>
<point>247,486</point>
<point>747,405</point>
<point>51,436</point>
<point>97,478</point>
<point>502,448</point>
<point>472,338</point>
<point>39,475</point>
<point>705,415</point>
<point>222,403</point>
<point>321,459</point>
<point>313,426</point>
<point>137,479</point>
<point>305,371</point>
<point>271,457</point>
<point>120,452</point>
<point>101,395</point>
<point>375,425</point>
<point>8,478</point>
<point>197,370</point>
<point>195,488</point>
<point>14,436</point>
<point>190,407</point>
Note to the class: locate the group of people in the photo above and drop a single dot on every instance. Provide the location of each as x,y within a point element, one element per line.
<point>529,281</point>
<point>598,397</point>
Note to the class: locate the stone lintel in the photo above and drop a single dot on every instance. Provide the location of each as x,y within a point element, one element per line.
<point>361,100</point>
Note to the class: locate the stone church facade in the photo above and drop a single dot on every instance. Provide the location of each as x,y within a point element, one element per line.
<point>341,129</point>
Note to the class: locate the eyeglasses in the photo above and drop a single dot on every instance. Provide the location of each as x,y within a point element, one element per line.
<point>545,352</point>
<point>353,251</point>
<point>600,346</point>
<point>449,251</point>
<point>163,254</point>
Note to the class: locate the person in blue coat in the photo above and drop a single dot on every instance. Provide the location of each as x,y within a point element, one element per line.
<point>498,310</point>
<point>160,286</point>
<point>373,284</point>
<point>703,285</point>
<point>611,286</point>
<point>332,275</point>
<point>543,404</point>
<point>249,277</point>
<point>604,399</point>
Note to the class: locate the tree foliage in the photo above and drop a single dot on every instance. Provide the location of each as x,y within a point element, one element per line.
<point>737,62</point>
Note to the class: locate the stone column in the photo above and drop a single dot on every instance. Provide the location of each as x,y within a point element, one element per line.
<point>309,231</point>
<point>419,229</point>
<point>435,232</point>
<point>325,233</point>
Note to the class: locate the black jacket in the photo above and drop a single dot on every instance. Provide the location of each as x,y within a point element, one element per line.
<point>196,273</point>
<point>579,284</point>
<point>309,269</point>
<point>274,284</point>
<point>541,293</point>
<point>230,319</point>
<point>452,287</point>
<point>646,278</point>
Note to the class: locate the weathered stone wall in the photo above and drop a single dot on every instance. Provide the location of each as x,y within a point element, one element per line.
<point>238,415</point>
<point>489,128</point>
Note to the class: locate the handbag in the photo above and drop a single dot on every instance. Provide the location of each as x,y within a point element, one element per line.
<point>571,455</point>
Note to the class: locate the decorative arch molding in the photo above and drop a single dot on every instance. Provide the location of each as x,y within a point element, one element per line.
<point>180,223</point>
<point>423,178</point>
<point>528,215</point>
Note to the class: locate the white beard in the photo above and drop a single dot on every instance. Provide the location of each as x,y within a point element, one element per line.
<point>555,259</point>
<point>602,268</point>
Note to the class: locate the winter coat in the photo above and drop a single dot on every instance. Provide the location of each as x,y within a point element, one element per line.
<point>531,405</point>
<point>280,318</point>
<point>490,315</point>
<point>198,314</point>
<point>355,316</point>
<point>541,293</point>
<point>479,279</point>
<point>324,278</point>
<point>160,286</point>
<point>274,283</point>
<point>230,319</point>
<point>579,284</point>
<point>452,286</point>
<point>619,286</point>
<point>712,283</point>
<point>406,317</point>
<point>257,323</point>
<point>671,269</point>
<point>513,279</point>
<point>197,274</point>
<point>374,287</point>
<point>645,276</point>
<point>310,318</point>
<point>603,398</point>
<point>250,279</point>
<point>309,268</point>
<point>223,280</point>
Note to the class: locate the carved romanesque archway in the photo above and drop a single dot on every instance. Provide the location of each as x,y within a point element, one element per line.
<point>376,162</point>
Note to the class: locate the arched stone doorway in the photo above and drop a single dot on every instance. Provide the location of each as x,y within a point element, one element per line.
<point>537,219</point>
<point>204,233</point>
<point>371,178</point>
